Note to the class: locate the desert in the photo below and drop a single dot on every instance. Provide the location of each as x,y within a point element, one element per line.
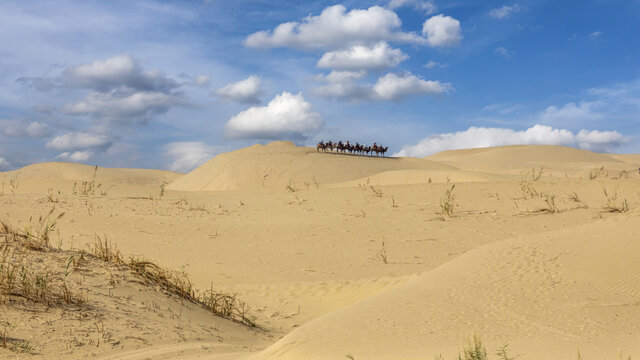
<point>319,180</point>
<point>333,255</point>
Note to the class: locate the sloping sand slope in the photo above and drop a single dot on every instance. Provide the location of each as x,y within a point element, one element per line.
<point>43,177</point>
<point>560,160</point>
<point>543,295</point>
<point>279,163</point>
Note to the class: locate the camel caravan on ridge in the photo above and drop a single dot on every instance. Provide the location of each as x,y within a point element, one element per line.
<point>341,147</point>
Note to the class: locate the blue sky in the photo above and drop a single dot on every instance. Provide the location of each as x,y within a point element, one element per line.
<point>154,84</point>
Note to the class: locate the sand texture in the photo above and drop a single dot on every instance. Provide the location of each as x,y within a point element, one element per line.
<point>334,255</point>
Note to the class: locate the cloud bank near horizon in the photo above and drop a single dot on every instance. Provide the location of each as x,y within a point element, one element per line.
<point>479,137</point>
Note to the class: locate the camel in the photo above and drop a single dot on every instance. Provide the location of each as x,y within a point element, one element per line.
<point>347,147</point>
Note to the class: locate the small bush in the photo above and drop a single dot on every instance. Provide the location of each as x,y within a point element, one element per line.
<point>611,202</point>
<point>448,201</point>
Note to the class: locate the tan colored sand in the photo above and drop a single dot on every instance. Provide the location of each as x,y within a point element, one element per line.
<point>307,261</point>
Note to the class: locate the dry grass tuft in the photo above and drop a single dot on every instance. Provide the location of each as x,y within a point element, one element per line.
<point>448,201</point>
<point>611,202</point>
<point>381,256</point>
<point>576,199</point>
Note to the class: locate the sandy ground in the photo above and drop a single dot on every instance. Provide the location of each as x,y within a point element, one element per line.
<point>342,255</point>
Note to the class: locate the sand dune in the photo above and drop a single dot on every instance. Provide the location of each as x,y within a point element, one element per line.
<point>365,263</point>
<point>279,163</point>
<point>518,159</point>
<point>44,177</point>
<point>544,295</point>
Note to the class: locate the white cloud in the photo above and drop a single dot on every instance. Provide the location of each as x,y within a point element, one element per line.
<point>425,5</point>
<point>503,51</point>
<point>432,64</point>
<point>287,116</point>
<point>126,106</point>
<point>38,130</point>
<point>595,35</point>
<point>34,129</point>
<point>442,31</point>
<point>202,80</point>
<point>573,113</point>
<point>390,87</point>
<point>78,140</point>
<point>5,165</point>
<point>341,76</point>
<point>335,28</point>
<point>247,91</point>
<point>396,87</point>
<point>476,137</point>
<point>76,156</point>
<point>118,71</point>
<point>505,11</point>
<point>357,57</point>
<point>187,155</point>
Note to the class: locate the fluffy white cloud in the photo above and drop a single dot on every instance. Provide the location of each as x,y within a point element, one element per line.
<point>34,129</point>
<point>118,71</point>
<point>357,57</point>
<point>476,137</point>
<point>78,140</point>
<point>573,113</point>
<point>390,87</point>
<point>396,87</point>
<point>334,28</point>
<point>124,106</point>
<point>76,156</point>
<point>5,165</point>
<point>442,31</point>
<point>287,116</point>
<point>505,11</point>
<point>247,91</point>
<point>187,155</point>
<point>425,5</point>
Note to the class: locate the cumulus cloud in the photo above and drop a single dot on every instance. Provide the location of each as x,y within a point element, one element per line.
<point>78,140</point>
<point>115,105</point>
<point>573,113</point>
<point>76,156</point>
<point>287,116</point>
<point>397,87</point>
<point>442,31</point>
<point>357,57</point>
<point>187,155</point>
<point>425,5</point>
<point>247,91</point>
<point>432,64</point>
<point>390,87</point>
<point>476,137</point>
<point>16,129</point>
<point>116,72</point>
<point>5,165</point>
<point>505,11</point>
<point>334,28</point>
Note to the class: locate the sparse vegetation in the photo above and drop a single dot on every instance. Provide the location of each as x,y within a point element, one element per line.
<point>19,279</point>
<point>596,173</point>
<point>448,201</point>
<point>527,190</point>
<point>13,183</point>
<point>576,199</point>
<point>536,174</point>
<point>381,256</point>
<point>162,188</point>
<point>612,204</point>
<point>475,350</point>
<point>291,187</point>
<point>377,190</point>
<point>550,201</point>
